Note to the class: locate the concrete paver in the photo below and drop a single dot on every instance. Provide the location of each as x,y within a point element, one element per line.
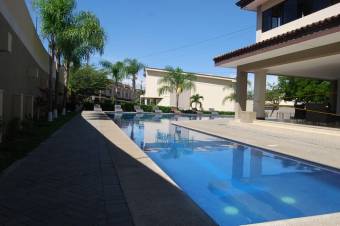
<point>319,145</point>
<point>70,179</point>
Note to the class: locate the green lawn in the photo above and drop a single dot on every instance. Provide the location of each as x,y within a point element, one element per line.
<point>25,141</point>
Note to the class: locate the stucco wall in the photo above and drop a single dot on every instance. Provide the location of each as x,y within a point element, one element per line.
<point>24,70</point>
<point>17,15</point>
<point>212,89</point>
<point>312,18</point>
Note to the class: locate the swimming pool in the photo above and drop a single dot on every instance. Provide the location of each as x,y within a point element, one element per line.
<point>235,184</point>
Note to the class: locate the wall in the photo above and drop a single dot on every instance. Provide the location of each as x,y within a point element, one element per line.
<point>312,18</point>
<point>19,19</point>
<point>24,70</point>
<point>214,92</point>
<point>212,89</point>
<point>151,89</point>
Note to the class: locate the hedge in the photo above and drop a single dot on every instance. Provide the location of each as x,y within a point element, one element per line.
<point>88,106</point>
<point>108,105</point>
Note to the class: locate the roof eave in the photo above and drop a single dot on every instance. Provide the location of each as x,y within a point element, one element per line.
<point>243,3</point>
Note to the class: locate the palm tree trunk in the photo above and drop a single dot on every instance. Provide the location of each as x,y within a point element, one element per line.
<point>50,95</point>
<point>134,85</point>
<point>65,88</point>
<point>177,100</point>
<point>56,86</point>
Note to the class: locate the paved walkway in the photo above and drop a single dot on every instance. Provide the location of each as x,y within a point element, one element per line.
<point>68,180</point>
<point>316,144</point>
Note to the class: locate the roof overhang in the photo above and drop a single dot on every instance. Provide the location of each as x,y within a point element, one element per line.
<point>272,47</point>
<point>250,4</point>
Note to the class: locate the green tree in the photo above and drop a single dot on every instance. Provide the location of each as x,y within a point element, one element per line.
<point>304,90</point>
<point>55,16</point>
<point>117,70</point>
<point>274,96</point>
<point>92,34</point>
<point>133,66</point>
<point>88,81</point>
<point>232,96</point>
<point>71,36</point>
<point>197,100</point>
<point>176,81</point>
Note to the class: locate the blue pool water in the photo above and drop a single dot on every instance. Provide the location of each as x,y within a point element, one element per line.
<point>233,183</point>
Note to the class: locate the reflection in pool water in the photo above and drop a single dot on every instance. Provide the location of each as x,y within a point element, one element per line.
<point>233,183</point>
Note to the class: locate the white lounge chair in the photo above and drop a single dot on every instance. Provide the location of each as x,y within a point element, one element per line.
<point>118,108</point>
<point>158,111</point>
<point>138,109</point>
<point>213,112</point>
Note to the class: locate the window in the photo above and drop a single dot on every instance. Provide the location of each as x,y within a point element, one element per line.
<point>273,17</point>
<point>291,10</point>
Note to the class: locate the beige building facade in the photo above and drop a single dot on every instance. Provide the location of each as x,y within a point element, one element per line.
<point>299,38</point>
<point>24,64</point>
<point>213,88</point>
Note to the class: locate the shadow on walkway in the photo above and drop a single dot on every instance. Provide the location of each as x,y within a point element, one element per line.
<point>78,177</point>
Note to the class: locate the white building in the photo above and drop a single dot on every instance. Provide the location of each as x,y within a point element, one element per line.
<point>294,38</point>
<point>213,88</point>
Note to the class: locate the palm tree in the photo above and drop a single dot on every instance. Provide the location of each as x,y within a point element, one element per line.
<point>55,16</point>
<point>132,69</point>
<point>116,70</point>
<point>76,43</point>
<point>232,96</point>
<point>196,99</point>
<point>92,34</point>
<point>176,81</point>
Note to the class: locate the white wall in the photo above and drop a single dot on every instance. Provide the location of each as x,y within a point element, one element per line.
<point>214,94</point>
<point>212,89</point>
<point>312,18</point>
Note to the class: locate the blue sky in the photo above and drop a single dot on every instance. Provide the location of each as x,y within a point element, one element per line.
<point>184,33</point>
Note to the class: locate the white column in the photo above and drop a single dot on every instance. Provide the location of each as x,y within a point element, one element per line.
<point>338,99</point>
<point>21,106</point>
<point>260,94</point>
<point>241,92</point>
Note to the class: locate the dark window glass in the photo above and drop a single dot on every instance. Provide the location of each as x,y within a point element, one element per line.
<point>305,7</point>
<point>321,4</point>
<point>266,20</point>
<point>291,10</point>
<point>277,16</point>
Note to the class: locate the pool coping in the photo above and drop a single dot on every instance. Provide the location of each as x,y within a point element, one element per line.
<point>331,219</point>
<point>140,204</point>
<point>182,114</point>
<point>264,148</point>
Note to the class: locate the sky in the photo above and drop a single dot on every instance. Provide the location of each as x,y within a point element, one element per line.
<point>179,33</point>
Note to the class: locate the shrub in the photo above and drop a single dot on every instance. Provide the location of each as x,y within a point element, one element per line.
<point>147,108</point>
<point>13,128</point>
<point>88,106</point>
<point>165,109</point>
<point>226,113</point>
<point>108,105</point>
<point>188,111</point>
<point>128,106</point>
<point>27,126</point>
